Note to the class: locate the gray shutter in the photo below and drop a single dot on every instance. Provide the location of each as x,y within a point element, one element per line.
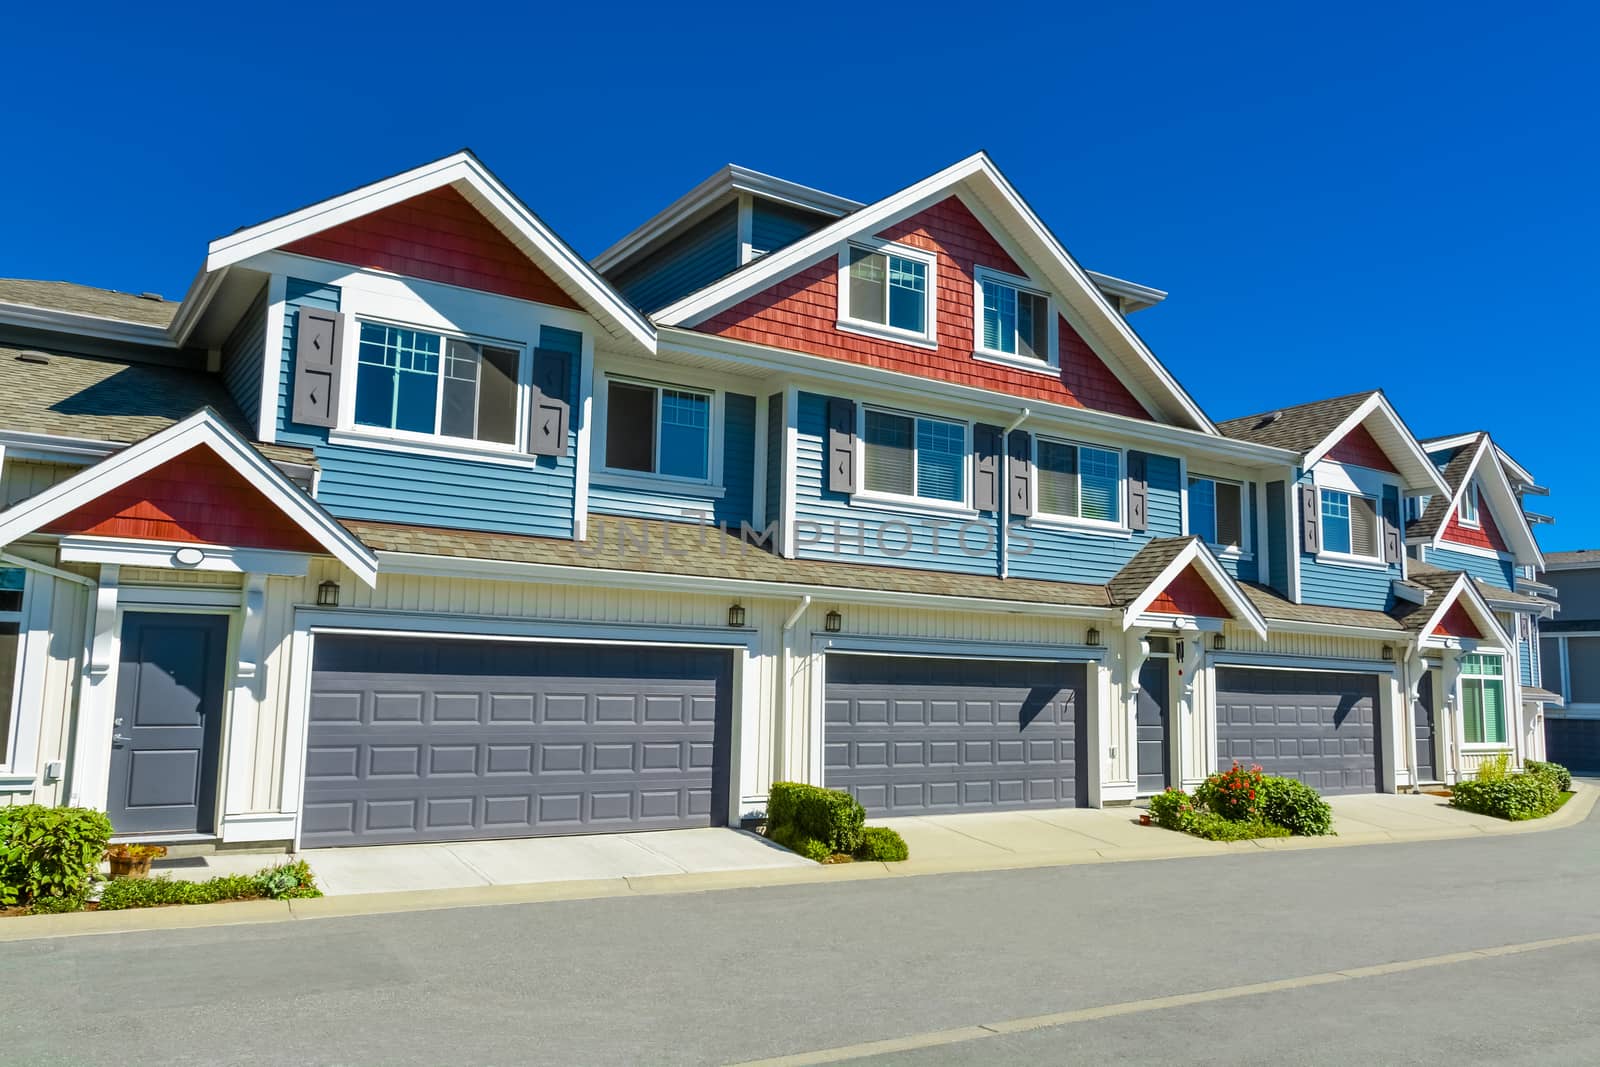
<point>986,447</point>
<point>552,411</point>
<point>1310,519</point>
<point>1019,475</point>
<point>1393,546</point>
<point>316,367</point>
<point>841,445</point>
<point>1138,493</point>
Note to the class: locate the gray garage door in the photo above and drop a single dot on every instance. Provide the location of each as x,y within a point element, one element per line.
<point>1573,743</point>
<point>421,739</point>
<point>1317,726</point>
<point>923,736</point>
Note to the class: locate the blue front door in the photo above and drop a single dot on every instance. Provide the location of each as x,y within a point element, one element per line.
<point>168,724</point>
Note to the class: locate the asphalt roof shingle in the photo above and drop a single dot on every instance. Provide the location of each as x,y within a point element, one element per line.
<point>1145,567</point>
<point>1454,473</point>
<point>1300,428</point>
<point>87,300</point>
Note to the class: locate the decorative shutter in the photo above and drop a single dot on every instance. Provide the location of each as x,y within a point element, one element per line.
<point>1138,492</point>
<point>986,447</point>
<point>1393,545</point>
<point>841,445</point>
<point>552,412</point>
<point>1310,519</point>
<point>1019,475</point>
<point>318,333</point>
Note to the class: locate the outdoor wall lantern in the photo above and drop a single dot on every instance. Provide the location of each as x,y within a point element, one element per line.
<point>1219,643</point>
<point>1180,652</point>
<point>1092,638</point>
<point>736,615</point>
<point>833,622</point>
<point>328,594</point>
<point>1388,653</point>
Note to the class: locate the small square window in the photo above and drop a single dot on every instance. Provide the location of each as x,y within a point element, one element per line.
<point>1014,321</point>
<point>1350,524</point>
<point>888,290</point>
<point>1216,512</point>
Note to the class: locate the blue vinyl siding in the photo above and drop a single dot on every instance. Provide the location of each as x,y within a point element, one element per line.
<point>1074,556</point>
<point>908,537</point>
<point>1525,662</point>
<point>1341,586</point>
<point>1494,571</point>
<point>1277,538</point>
<point>692,260</point>
<point>407,487</point>
<point>774,226</point>
<point>671,501</point>
<point>298,294</point>
<point>242,360</point>
<point>774,486</point>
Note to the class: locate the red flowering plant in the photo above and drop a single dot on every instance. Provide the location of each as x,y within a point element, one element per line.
<point>1233,793</point>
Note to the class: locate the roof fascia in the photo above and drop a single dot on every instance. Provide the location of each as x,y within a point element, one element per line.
<point>1218,579</point>
<point>1141,296</point>
<point>201,428</point>
<point>1430,479</point>
<point>82,324</point>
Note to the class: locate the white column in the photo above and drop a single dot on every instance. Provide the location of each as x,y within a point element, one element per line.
<point>91,769</point>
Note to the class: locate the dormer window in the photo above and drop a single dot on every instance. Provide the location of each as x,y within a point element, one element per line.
<point>1469,506</point>
<point>1350,525</point>
<point>418,382</point>
<point>884,290</point>
<point>1013,320</point>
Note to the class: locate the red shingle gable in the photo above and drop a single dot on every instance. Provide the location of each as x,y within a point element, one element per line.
<point>1487,535</point>
<point>195,498</point>
<point>441,237</point>
<point>1360,449</point>
<point>800,313</point>
<point>1456,623</point>
<point>1189,594</point>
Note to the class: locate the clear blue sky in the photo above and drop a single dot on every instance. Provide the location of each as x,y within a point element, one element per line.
<point>1336,199</point>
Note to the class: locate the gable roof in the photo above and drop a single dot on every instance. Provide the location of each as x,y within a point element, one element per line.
<point>114,401</point>
<point>1159,563</point>
<point>469,177</point>
<point>1493,595</point>
<point>980,184</point>
<point>1493,484</point>
<point>1316,428</point>
<point>1446,590</point>
<point>205,428</point>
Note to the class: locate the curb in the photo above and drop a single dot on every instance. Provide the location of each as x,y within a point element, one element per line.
<point>257,912</point>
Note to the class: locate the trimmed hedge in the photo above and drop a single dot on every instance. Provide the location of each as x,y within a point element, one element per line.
<point>50,854</point>
<point>882,844</point>
<point>1554,771</point>
<point>283,882</point>
<point>794,839</point>
<point>828,816</point>
<point>1514,796</point>
<point>1295,806</point>
<point>1242,803</point>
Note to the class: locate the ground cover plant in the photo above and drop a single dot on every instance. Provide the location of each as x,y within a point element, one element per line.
<point>1241,803</point>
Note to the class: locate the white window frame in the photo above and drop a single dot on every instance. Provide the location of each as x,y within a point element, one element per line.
<point>1328,554</point>
<point>623,477</point>
<point>1051,364</point>
<point>961,507</point>
<point>1044,518</point>
<point>1470,493</point>
<point>349,427</point>
<point>1246,547</point>
<point>1507,664</point>
<point>929,336</point>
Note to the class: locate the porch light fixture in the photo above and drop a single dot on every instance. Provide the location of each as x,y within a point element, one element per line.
<point>1388,653</point>
<point>833,622</point>
<point>736,615</point>
<point>1219,643</point>
<point>1092,638</point>
<point>1180,650</point>
<point>328,594</point>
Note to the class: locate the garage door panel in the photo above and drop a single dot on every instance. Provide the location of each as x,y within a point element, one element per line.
<point>1317,726</point>
<point>963,735</point>
<point>439,756</point>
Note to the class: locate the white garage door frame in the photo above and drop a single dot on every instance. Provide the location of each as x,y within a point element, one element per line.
<point>309,623</point>
<point>1389,697</point>
<point>936,648</point>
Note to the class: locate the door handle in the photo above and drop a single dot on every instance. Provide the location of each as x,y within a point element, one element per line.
<point>119,739</point>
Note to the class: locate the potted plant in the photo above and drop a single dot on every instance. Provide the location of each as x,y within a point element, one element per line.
<point>133,861</point>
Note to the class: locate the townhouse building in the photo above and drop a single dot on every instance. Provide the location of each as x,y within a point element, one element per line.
<point>1569,657</point>
<point>409,524</point>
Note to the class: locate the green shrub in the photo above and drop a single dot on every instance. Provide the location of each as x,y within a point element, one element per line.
<point>1214,827</point>
<point>283,882</point>
<point>1554,771</point>
<point>1172,809</point>
<point>1233,794</point>
<point>1492,770</point>
<point>1295,806</point>
<point>796,840</point>
<point>49,852</point>
<point>287,881</point>
<point>883,844</point>
<point>55,905</point>
<point>828,815</point>
<point>122,893</point>
<point>1514,796</point>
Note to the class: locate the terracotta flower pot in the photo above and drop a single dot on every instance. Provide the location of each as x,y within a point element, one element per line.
<point>127,867</point>
<point>1144,819</point>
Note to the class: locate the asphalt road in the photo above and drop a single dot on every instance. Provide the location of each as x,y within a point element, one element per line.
<point>747,974</point>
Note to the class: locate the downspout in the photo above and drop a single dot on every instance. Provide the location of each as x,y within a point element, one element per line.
<point>1002,477</point>
<point>783,663</point>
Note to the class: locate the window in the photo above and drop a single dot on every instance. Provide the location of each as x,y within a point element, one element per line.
<point>1014,321</point>
<point>1349,524</point>
<point>419,382</point>
<point>11,582</point>
<point>1583,669</point>
<point>1483,699</point>
<point>658,430</point>
<point>887,290</point>
<point>1415,506</point>
<point>1469,505</point>
<point>909,456</point>
<point>1216,512</point>
<point>1078,482</point>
